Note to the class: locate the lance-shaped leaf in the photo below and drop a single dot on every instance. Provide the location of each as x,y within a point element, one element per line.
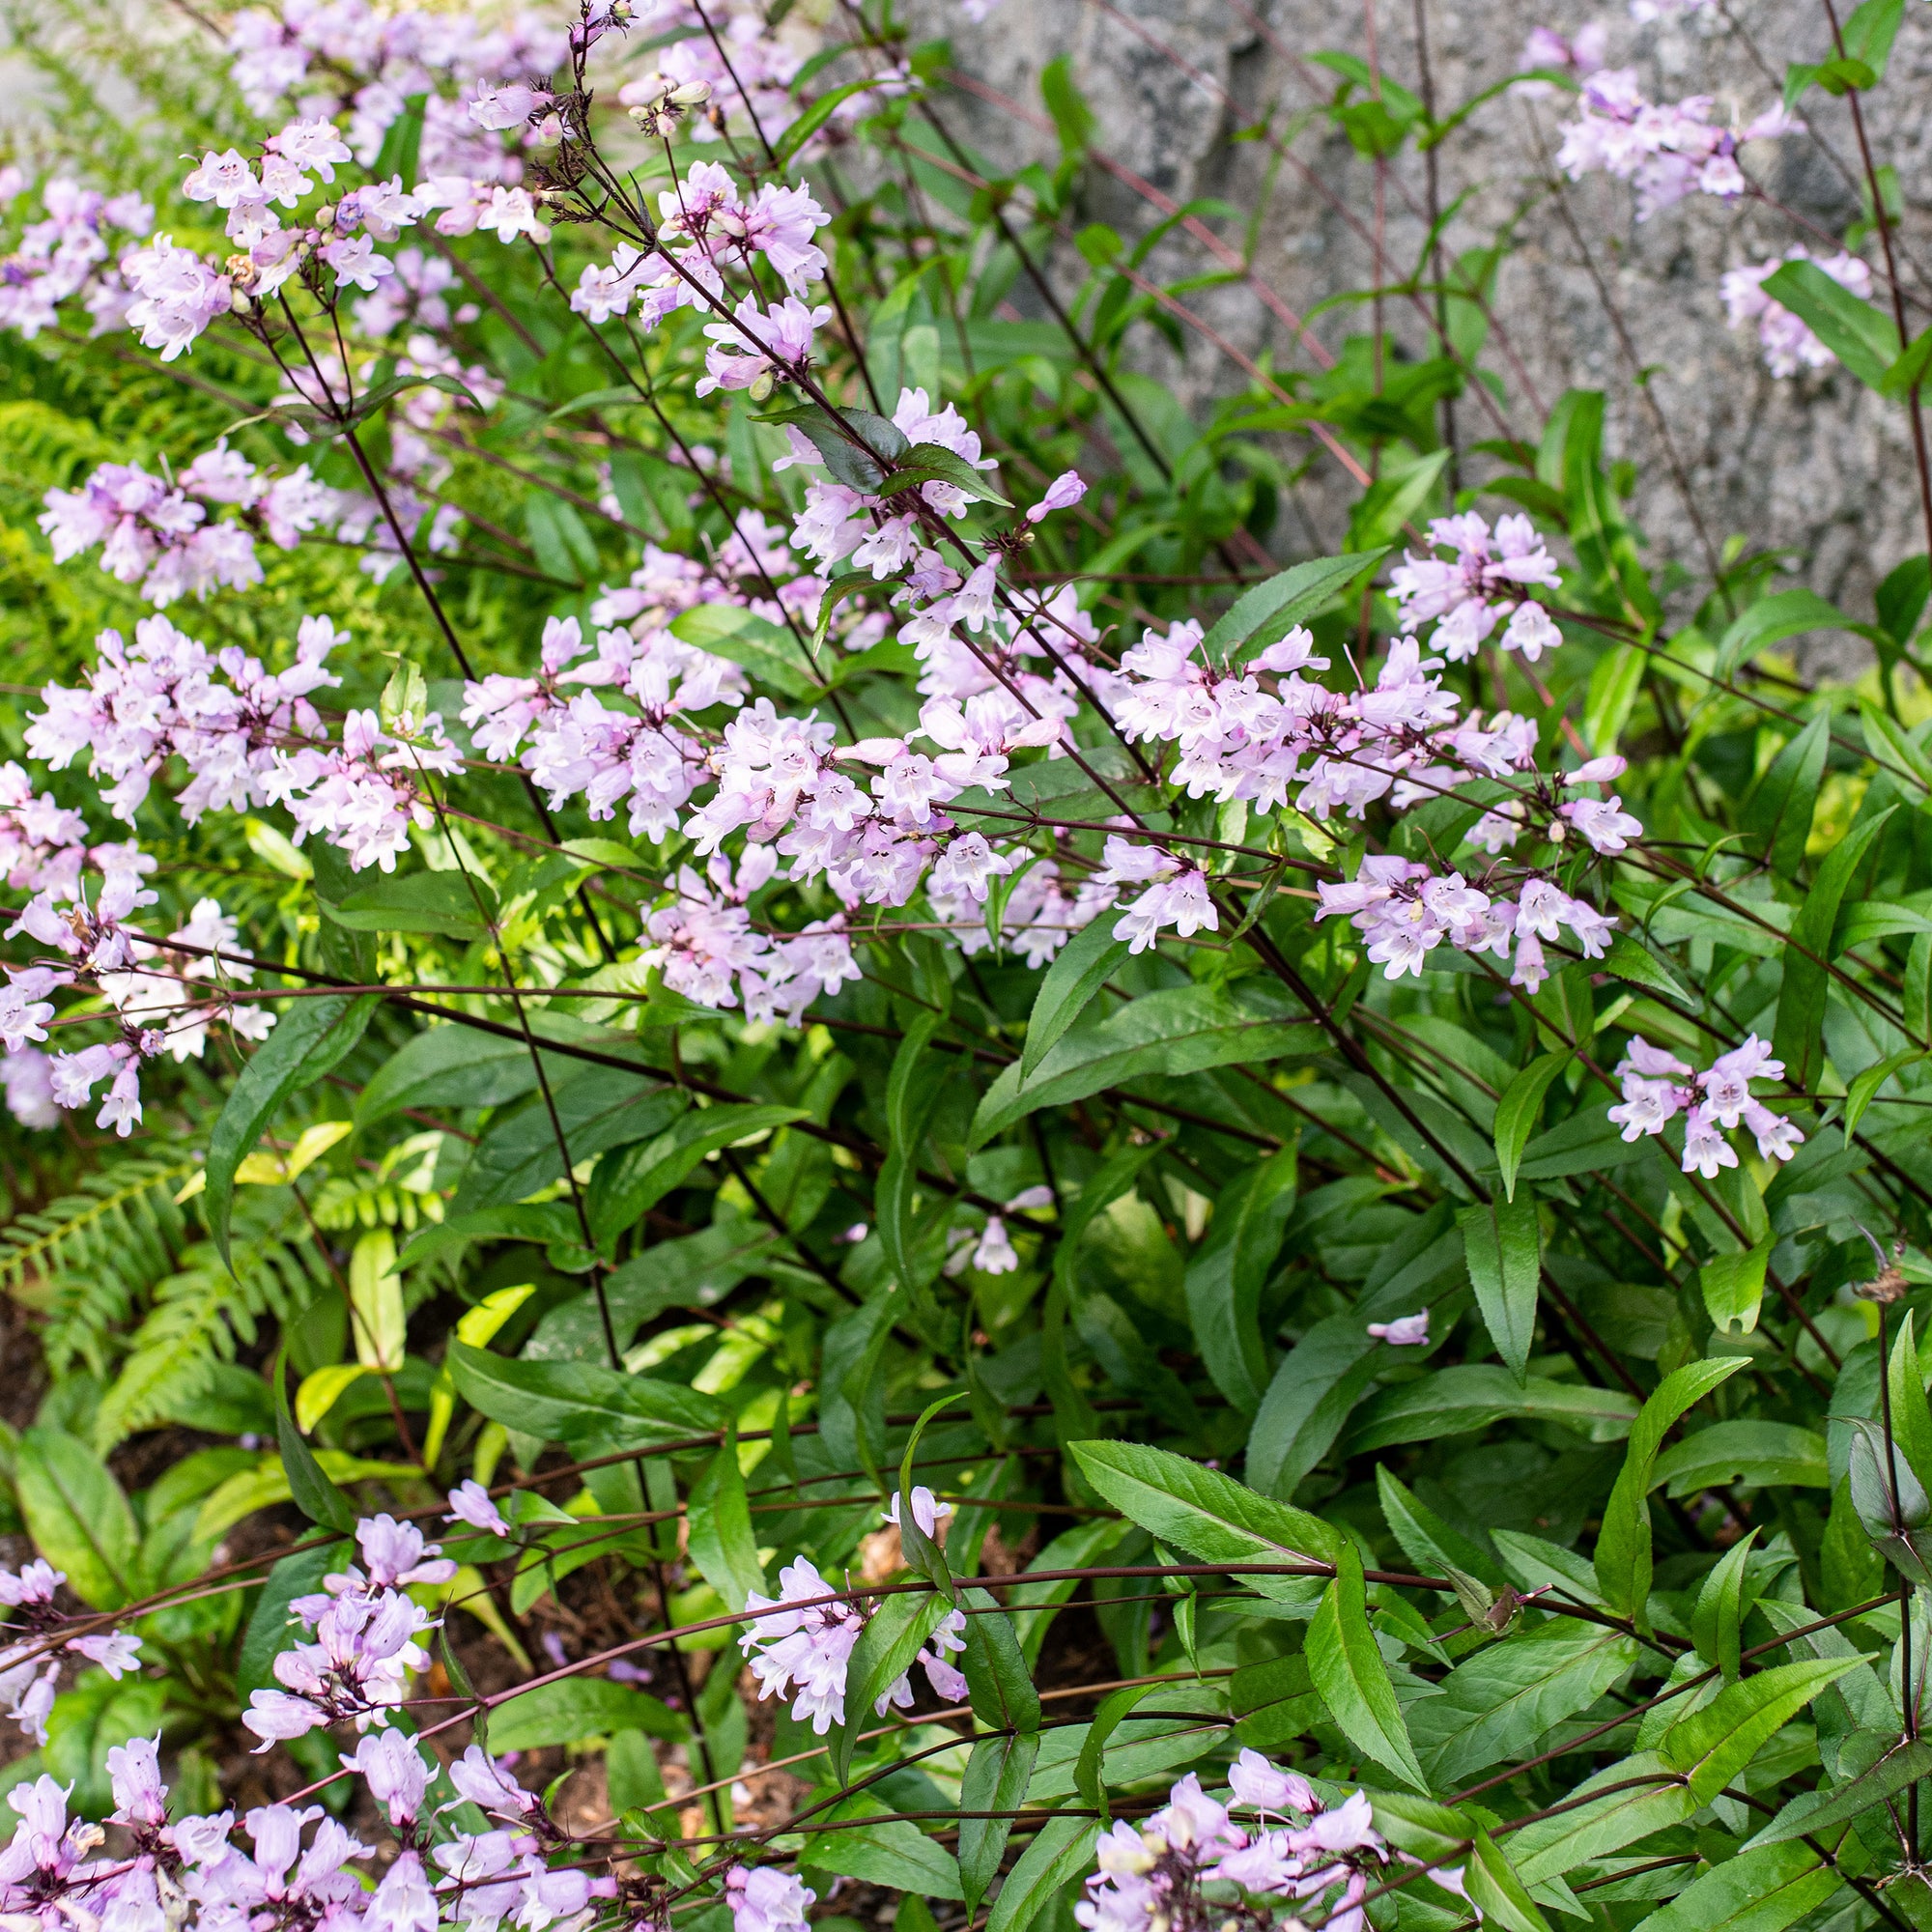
<point>995,1782</point>
<point>1492,1885</point>
<point>1060,1852</point>
<point>1825,1811</point>
<point>1710,1747</point>
<point>1623,1545</point>
<point>1348,1670</point>
<point>1764,1889</point>
<point>720,1539</point>
<point>305,1047</point>
<point>1798,1038</point>
<point>885,1651</point>
<point>1733,1288</point>
<point>1518,1111</point>
<point>1226,1276</point>
<point>1078,971</point>
<point>1720,1610</point>
<point>1211,1516</point>
<point>1503,1246</point>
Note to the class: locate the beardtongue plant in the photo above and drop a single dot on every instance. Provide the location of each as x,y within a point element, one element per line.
<point>882,1160</point>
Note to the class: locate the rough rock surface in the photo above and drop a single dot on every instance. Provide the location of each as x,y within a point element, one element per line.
<point>1816,466</point>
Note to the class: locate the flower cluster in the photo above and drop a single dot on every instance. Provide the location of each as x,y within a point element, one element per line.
<point>159,536</point>
<point>1658,1087</point>
<point>1668,151</point>
<point>30,1668</point>
<point>193,1869</point>
<point>1405,911</point>
<point>705,943</point>
<point>801,1641</point>
<point>67,253</point>
<point>704,229</point>
<point>1788,344</point>
<point>364,1638</point>
<point>1190,1864</point>
<point>1468,595</point>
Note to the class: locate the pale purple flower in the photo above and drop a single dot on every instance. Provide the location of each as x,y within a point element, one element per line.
<point>1061,493</point>
<point>767,1901</point>
<point>469,1502</point>
<point>1405,1331</point>
<point>394,1772</point>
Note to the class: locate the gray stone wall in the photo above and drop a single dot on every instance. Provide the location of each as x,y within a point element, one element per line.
<point>1816,467</point>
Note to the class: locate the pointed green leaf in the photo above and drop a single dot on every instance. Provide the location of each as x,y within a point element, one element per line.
<point>1623,1545</point>
<point>1503,1248</point>
<point>1348,1672</point>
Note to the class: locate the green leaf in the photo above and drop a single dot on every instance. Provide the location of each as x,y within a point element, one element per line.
<point>1908,372</point>
<point>1629,960</point>
<point>598,1108</point>
<point>1267,612</point>
<point>815,118</point>
<point>1520,1108</point>
<point>886,1647</point>
<point>575,1708</point>
<point>1623,1545</point>
<point>1744,1451</point>
<point>575,1402</point>
<point>78,1516</point>
<point>452,1067</point>
<point>1499,1701</point>
<point>1647,1796</point>
<point>1772,620</point>
<point>311,1491</point>
<point>1394,500</point>
<point>1426,1540</point>
<point>1710,1747</point>
<point>1863,1089</point>
<point>1211,1516</point>
<point>998,1683</point>
<point>1899,601</point>
<point>1452,1401</point>
<point>1778,813</point>
<point>721,1540</point>
<point>1860,335</point>
<point>893,1852</point>
<point>305,1047</point>
<point>1492,1888</point>
<point>1503,1247</point>
<point>1181,1030</point>
<point>1904,1765</point>
<point>767,650</point>
<point>1348,1672</point>
<point>459,905</point>
<point>1228,1271</point>
<point>1078,971</point>
<point>272,1626</point>
<point>1764,1889</point>
<point>1733,1286</point>
<point>1087,1779</point>
<point>933,463</point>
<point>632,1180</point>
<point>1720,1610</point>
<point>1798,1038</point>
<point>995,1781</point>
<point>1060,1852</point>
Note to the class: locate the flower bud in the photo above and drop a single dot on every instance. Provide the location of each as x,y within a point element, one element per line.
<point>324,216</point>
<point>760,388</point>
<point>692,92</point>
<point>239,301</point>
<point>1557,831</point>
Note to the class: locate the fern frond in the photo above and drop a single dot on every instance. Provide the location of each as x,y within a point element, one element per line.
<point>200,1317</point>
<point>86,1261</point>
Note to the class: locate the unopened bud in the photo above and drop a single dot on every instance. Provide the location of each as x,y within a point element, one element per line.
<point>324,216</point>
<point>761,387</point>
<point>1557,831</point>
<point>692,92</point>
<point>239,301</point>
